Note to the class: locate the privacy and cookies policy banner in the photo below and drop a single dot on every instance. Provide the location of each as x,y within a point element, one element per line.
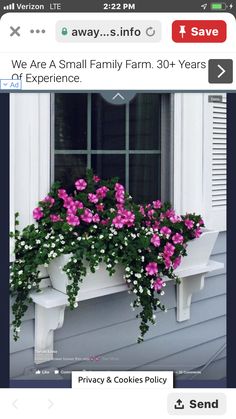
<point>122,379</point>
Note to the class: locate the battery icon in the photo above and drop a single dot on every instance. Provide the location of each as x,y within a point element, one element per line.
<point>218,6</point>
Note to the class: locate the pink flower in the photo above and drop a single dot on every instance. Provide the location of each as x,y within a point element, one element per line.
<point>177,262</point>
<point>62,194</point>
<point>151,268</point>
<point>169,250</point>
<point>158,284</point>
<point>118,221</point>
<point>197,233</point>
<point>157,204</point>
<point>37,213</point>
<point>201,222</point>
<point>68,202</point>
<point>79,204</point>
<point>87,216</point>
<point>177,238</point>
<point>105,222</point>
<point>189,223</point>
<point>96,218</point>
<point>73,220</point>
<point>92,198</point>
<point>175,219</point>
<point>55,218</point>
<point>166,231</point>
<point>150,213</point>
<point>72,210</point>
<point>119,188</point>
<point>128,217</point>
<point>49,199</point>
<point>155,240</point>
<point>80,184</point>
<point>96,179</point>
<point>167,262</point>
<point>170,213</point>
<point>101,192</point>
<point>156,225</point>
<point>100,207</point>
<point>141,210</point>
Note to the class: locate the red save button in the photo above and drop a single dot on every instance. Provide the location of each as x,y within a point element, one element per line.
<point>199,31</point>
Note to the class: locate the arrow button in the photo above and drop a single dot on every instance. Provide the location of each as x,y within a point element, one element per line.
<point>220,71</point>
<point>118,96</point>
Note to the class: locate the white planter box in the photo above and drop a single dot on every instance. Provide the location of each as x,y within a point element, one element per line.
<point>92,282</point>
<point>199,250</point>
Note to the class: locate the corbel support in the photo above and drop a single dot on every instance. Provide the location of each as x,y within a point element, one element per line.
<point>185,291</point>
<point>47,320</point>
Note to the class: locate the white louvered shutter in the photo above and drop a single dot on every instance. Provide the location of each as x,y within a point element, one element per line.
<point>214,161</point>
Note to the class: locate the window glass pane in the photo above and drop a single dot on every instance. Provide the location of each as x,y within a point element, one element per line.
<point>68,168</point>
<point>107,166</point>
<point>145,122</point>
<point>70,121</point>
<point>107,125</point>
<point>145,171</point>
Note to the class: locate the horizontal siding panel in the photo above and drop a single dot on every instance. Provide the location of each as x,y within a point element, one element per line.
<point>215,371</point>
<point>21,363</point>
<point>125,334</point>
<point>187,360</point>
<point>132,357</point>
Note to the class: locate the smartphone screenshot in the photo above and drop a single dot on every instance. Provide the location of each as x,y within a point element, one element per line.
<point>117,208</point>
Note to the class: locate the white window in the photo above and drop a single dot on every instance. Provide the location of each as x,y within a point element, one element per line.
<point>129,141</point>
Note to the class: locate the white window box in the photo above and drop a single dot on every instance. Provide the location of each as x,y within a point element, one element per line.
<point>51,302</point>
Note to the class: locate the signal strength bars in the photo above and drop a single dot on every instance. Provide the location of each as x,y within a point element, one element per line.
<point>10,6</point>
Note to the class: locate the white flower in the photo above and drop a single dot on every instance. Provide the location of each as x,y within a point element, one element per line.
<point>162,293</point>
<point>141,289</point>
<point>142,258</point>
<point>135,282</point>
<point>20,272</point>
<point>19,282</point>
<point>29,286</point>
<point>38,241</point>
<point>135,291</point>
<point>102,251</point>
<point>165,310</point>
<point>101,236</point>
<point>76,305</point>
<point>138,276</point>
<point>127,269</point>
<point>154,316</point>
<point>26,247</point>
<point>148,292</point>
<point>53,245</point>
<point>22,243</point>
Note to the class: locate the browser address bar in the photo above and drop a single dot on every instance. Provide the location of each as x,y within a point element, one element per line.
<point>104,31</point>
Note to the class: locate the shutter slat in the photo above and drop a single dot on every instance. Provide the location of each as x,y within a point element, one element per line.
<point>219,137</point>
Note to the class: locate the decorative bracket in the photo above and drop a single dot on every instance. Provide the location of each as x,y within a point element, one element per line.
<point>46,321</point>
<point>50,306</point>
<point>190,284</point>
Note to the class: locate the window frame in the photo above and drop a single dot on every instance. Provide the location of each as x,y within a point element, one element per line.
<point>166,143</point>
